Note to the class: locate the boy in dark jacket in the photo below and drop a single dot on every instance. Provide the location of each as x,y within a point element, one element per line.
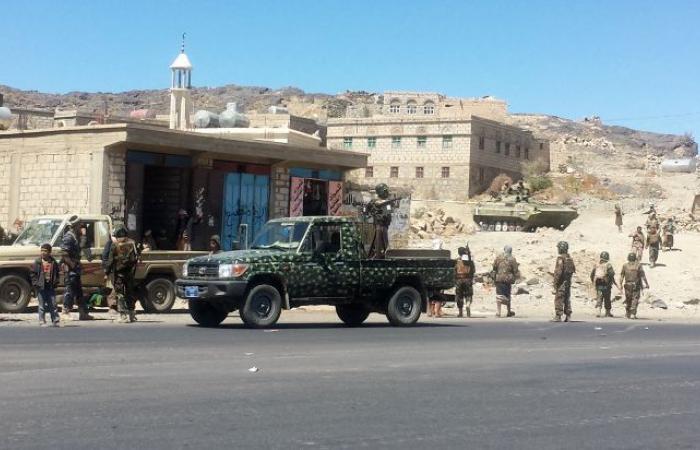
<point>45,280</point>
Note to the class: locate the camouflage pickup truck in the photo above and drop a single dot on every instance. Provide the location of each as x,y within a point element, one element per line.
<point>155,274</point>
<point>313,261</point>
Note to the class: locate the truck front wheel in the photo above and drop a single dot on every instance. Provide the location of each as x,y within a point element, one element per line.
<point>15,293</point>
<point>353,314</point>
<point>404,306</point>
<point>262,307</point>
<point>206,314</point>
<point>158,295</point>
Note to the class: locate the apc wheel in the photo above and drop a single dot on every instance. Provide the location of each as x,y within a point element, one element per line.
<point>206,314</point>
<point>262,306</point>
<point>15,293</point>
<point>158,296</point>
<point>353,314</point>
<point>404,306</point>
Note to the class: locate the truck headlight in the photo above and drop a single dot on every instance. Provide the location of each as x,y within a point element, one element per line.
<point>232,270</point>
<point>184,269</point>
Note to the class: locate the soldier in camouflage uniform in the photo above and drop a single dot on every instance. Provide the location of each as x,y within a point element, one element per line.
<point>631,277</point>
<point>654,245</point>
<point>72,270</point>
<point>464,275</point>
<point>563,271</point>
<point>380,211</point>
<point>505,272</point>
<point>121,266</point>
<point>652,222</point>
<point>638,243</point>
<point>668,232</point>
<point>603,278</point>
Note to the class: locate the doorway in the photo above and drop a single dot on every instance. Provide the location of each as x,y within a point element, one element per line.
<point>246,197</point>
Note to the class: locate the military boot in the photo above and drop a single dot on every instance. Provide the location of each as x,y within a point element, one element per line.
<point>123,317</point>
<point>469,311</point>
<point>460,313</point>
<point>627,314</point>
<point>557,318</point>
<point>567,318</point>
<point>608,314</point>
<point>600,312</point>
<point>132,316</point>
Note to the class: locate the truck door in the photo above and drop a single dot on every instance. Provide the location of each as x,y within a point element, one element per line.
<point>96,233</point>
<point>326,271</point>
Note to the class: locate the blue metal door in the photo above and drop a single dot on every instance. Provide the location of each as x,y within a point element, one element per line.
<point>245,202</point>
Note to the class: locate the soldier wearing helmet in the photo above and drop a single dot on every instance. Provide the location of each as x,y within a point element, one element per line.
<point>632,277</point>
<point>603,278</point>
<point>563,271</point>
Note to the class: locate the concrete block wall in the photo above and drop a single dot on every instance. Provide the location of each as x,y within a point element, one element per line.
<point>279,192</point>
<point>4,189</point>
<point>114,199</point>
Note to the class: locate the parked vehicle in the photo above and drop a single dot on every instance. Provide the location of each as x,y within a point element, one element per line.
<point>155,274</point>
<point>313,261</point>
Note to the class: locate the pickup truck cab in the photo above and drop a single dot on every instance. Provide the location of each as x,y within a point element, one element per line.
<point>155,274</point>
<point>313,261</point>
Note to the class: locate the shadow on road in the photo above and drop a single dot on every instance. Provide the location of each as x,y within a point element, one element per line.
<point>323,326</point>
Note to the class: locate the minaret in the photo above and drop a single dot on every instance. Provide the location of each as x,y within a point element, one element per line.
<point>180,101</point>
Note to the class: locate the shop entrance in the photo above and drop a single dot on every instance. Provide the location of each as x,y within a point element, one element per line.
<point>246,197</point>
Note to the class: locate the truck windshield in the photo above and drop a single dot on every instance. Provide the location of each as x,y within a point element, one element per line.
<point>280,235</point>
<point>38,231</point>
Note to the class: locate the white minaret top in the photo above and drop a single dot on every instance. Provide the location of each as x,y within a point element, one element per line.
<point>180,103</point>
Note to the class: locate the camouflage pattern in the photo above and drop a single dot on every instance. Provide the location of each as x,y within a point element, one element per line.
<point>344,274</point>
<point>603,286</point>
<point>638,244</point>
<point>632,276</point>
<point>522,213</point>
<point>563,271</point>
<point>121,265</point>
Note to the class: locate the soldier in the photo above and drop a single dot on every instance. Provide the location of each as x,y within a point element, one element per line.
<point>603,278</point>
<point>653,244</point>
<point>638,243</point>
<point>121,267</point>
<point>631,277</point>
<point>505,272</point>
<point>618,218</point>
<point>563,271</point>
<point>72,270</point>
<point>669,230</point>
<point>464,274</point>
<point>380,210</point>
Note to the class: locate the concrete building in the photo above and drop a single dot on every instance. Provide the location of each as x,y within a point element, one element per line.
<point>440,147</point>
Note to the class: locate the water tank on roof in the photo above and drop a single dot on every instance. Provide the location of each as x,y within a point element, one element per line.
<point>5,118</point>
<point>687,165</point>
<point>277,110</point>
<point>141,114</point>
<point>206,119</point>
<point>233,119</point>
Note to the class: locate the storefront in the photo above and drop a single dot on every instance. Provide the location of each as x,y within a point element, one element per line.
<point>315,192</point>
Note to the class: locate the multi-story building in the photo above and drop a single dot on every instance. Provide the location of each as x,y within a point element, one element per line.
<point>442,148</point>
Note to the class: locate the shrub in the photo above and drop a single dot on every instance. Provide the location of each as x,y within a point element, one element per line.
<point>499,181</point>
<point>539,183</point>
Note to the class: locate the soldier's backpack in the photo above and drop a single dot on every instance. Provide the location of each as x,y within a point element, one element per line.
<point>631,272</point>
<point>601,273</point>
<point>504,271</point>
<point>124,256</point>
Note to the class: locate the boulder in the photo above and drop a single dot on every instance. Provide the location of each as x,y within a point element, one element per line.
<point>692,301</point>
<point>533,281</point>
<point>658,303</point>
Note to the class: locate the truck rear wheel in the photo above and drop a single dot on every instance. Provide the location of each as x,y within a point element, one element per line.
<point>206,314</point>
<point>15,293</point>
<point>262,306</point>
<point>404,306</point>
<point>158,295</point>
<point>352,314</point>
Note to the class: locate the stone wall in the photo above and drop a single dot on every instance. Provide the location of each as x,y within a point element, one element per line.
<point>279,192</point>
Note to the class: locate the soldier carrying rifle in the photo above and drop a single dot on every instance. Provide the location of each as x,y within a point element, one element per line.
<point>380,211</point>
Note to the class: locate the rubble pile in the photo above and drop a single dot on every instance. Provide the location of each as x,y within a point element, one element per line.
<point>683,220</point>
<point>426,224</point>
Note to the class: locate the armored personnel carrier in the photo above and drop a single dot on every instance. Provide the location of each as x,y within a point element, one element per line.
<point>513,213</point>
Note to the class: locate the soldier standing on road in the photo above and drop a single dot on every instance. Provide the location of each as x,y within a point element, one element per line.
<point>505,272</point>
<point>72,270</point>
<point>653,244</point>
<point>652,222</point>
<point>563,271</point>
<point>618,218</point>
<point>603,278</point>
<point>638,243</point>
<point>464,274</point>
<point>631,277</point>
<point>669,230</point>
<point>121,266</point>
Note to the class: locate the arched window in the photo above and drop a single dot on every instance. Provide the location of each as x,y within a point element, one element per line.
<point>395,106</point>
<point>411,107</point>
<point>429,108</point>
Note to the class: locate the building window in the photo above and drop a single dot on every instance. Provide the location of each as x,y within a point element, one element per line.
<point>447,142</point>
<point>422,140</point>
<point>395,107</point>
<point>394,172</point>
<point>481,174</point>
<point>517,151</point>
<point>541,146</point>
<point>419,172</point>
<point>369,172</point>
<point>527,153</point>
<point>347,142</point>
<point>507,152</point>
<point>371,142</point>
<point>482,142</point>
<point>498,146</point>
<point>445,172</point>
<point>396,142</point>
<point>428,108</point>
<point>411,108</point>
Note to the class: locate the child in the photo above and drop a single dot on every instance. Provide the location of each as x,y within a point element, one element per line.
<point>45,279</point>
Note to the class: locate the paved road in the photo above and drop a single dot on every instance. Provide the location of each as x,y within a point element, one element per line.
<point>466,384</point>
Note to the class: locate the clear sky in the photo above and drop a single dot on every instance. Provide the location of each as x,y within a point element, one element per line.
<point>632,62</point>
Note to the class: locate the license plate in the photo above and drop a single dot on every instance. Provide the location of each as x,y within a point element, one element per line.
<point>191,291</point>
